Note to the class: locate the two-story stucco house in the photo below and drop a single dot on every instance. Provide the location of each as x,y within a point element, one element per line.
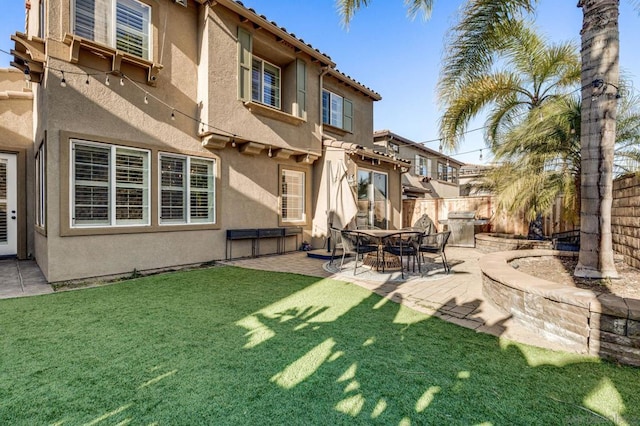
<point>160,125</point>
<point>432,174</point>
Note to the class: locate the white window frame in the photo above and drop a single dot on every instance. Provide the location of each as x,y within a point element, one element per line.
<point>335,115</point>
<point>113,185</point>
<point>261,88</point>
<point>421,166</point>
<point>111,37</point>
<point>41,186</point>
<point>187,190</point>
<point>285,196</point>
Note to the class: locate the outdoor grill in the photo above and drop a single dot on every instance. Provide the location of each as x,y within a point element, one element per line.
<point>462,227</point>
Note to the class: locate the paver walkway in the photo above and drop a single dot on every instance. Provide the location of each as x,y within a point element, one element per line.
<point>456,297</point>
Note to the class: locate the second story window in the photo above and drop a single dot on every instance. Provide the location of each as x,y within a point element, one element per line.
<point>337,111</point>
<point>121,24</point>
<point>421,168</point>
<point>442,171</point>
<point>265,83</point>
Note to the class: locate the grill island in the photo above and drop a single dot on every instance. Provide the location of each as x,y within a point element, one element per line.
<point>462,227</point>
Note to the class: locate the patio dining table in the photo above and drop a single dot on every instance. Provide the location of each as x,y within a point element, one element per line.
<point>379,236</point>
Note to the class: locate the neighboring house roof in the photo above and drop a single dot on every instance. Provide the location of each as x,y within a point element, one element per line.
<point>389,135</point>
<point>473,170</point>
<point>354,148</point>
<point>415,190</point>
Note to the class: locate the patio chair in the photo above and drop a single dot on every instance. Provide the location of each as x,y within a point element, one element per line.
<point>356,244</point>
<point>435,244</point>
<point>403,244</point>
<point>336,242</point>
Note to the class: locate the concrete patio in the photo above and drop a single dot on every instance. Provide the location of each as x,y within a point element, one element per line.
<point>20,278</point>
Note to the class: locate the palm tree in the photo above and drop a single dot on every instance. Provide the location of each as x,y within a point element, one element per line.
<point>600,57</point>
<point>600,73</point>
<point>540,160</point>
<point>531,74</point>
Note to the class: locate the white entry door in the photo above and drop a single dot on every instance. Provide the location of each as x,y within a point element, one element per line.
<point>8,205</point>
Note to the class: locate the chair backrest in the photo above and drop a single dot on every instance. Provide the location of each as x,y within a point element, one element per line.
<point>349,241</point>
<point>336,236</point>
<point>436,241</point>
<point>413,238</point>
<point>445,238</point>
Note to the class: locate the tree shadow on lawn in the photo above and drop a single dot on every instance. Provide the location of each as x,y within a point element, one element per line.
<point>382,362</point>
<point>236,346</point>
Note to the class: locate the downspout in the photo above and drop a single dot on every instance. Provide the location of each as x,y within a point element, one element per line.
<point>324,70</point>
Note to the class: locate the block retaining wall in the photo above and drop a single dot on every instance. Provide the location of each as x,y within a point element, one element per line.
<point>584,321</point>
<point>490,243</point>
<point>625,218</point>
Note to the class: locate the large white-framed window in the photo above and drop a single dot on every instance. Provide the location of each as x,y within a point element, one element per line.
<point>265,83</point>
<point>337,111</point>
<point>122,24</point>
<point>109,185</point>
<point>187,190</point>
<point>41,186</point>
<point>292,195</point>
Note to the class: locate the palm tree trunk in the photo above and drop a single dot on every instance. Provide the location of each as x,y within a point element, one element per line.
<point>600,55</point>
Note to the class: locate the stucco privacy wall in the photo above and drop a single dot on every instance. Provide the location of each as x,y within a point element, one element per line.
<point>625,218</point>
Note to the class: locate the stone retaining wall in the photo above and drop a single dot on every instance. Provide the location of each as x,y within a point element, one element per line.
<point>625,218</point>
<point>490,243</point>
<point>584,321</point>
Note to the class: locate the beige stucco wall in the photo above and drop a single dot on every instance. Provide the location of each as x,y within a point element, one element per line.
<point>226,111</point>
<point>362,133</point>
<point>198,52</point>
<point>247,186</point>
<point>16,137</point>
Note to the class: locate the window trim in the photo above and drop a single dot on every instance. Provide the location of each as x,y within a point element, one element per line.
<point>278,96</point>
<point>188,220</point>
<point>305,197</point>
<point>64,189</point>
<point>41,186</point>
<point>421,161</point>
<point>344,116</point>
<point>112,206</point>
<point>112,41</point>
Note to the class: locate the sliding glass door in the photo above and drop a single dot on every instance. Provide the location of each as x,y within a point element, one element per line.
<point>372,199</point>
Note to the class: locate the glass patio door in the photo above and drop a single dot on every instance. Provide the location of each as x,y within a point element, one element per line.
<point>8,205</point>
<point>372,199</point>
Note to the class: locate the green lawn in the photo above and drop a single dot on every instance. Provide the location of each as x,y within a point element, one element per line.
<point>232,346</point>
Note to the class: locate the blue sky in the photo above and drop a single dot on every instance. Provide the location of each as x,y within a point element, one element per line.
<point>394,56</point>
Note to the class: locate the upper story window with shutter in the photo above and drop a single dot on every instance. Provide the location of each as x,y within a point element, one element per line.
<point>277,80</point>
<point>265,83</point>
<point>337,111</point>
<point>121,24</point>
